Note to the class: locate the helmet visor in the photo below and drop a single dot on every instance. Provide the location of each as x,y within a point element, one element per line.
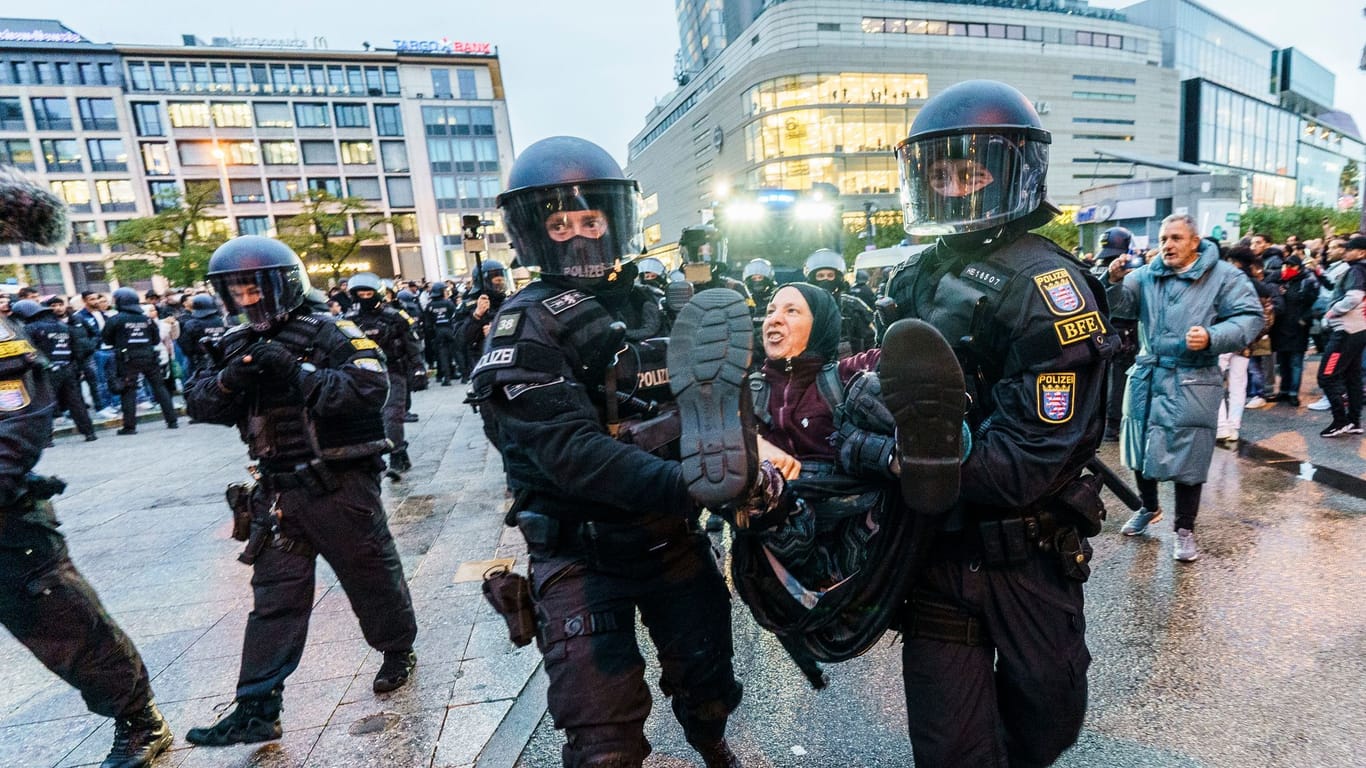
<point>575,230</point>
<point>263,296</point>
<point>967,182</point>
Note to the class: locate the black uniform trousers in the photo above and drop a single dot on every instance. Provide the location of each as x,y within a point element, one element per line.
<point>348,528</point>
<point>66,387</point>
<point>1340,375</point>
<point>151,371</point>
<point>444,341</point>
<point>49,607</point>
<point>1016,699</point>
<point>586,593</point>
<point>396,407</point>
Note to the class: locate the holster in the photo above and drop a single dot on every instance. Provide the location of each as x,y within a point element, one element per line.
<point>239,501</point>
<point>541,531</point>
<point>259,536</point>
<point>314,477</point>
<point>510,595</point>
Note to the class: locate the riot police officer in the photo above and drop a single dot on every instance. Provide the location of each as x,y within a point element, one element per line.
<point>477,309</point>
<point>134,337</point>
<point>305,391</point>
<point>610,528</point>
<point>652,272</point>
<point>438,320</point>
<point>45,602</point>
<point>201,330</point>
<point>392,330</point>
<point>1117,243</point>
<point>825,268</point>
<point>704,256</point>
<point>761,283</point>
<point>995,656</point>
<point>53,338</point>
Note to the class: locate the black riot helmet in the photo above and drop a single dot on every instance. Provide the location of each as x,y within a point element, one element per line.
<point>259,277</point>
<point>203,305</point>
<point>702,253</point>
<point>366,281</point>
<point>825,259</point>
<point>437,291</point>
<point>28,309</point>
<point>1115,241</point>
<point>975,159</point>
<point>571,211</point>
<point>128,300</point>
<point>488,270</point>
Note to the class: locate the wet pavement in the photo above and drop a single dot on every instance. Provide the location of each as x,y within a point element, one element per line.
<point>1255,655</point>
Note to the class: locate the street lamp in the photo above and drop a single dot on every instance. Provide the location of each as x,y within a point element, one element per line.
<point>222,158</point>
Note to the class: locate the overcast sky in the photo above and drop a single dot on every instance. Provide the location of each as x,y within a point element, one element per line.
<point>595,68</point>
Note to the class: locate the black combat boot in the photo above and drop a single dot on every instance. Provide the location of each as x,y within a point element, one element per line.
<point>922,385</point>
<point>394,672</point>
<point>718,755</point>
<point>709,357</point>
<point>399,461</point>
<point>253,720</point>
<point>138,739</point>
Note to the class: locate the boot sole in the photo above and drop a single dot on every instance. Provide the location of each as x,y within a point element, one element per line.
<point>922,386</point>
<point>710,350</point>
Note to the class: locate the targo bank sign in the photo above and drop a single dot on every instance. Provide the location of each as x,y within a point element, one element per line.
<point>444,45</point>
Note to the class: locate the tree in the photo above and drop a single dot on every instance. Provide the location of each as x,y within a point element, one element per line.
<point>888,232</point>
<point>1306,221</point>
<point>322,233</point>
<point>176,242</point>
<point>1348,182</point>
<point>1061,230</point>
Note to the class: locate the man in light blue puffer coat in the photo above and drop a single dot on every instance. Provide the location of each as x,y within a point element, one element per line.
<point>1191,307</point>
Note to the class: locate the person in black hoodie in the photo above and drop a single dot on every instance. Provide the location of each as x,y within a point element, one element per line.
<point>1290,335</point>
<point>134,337</point>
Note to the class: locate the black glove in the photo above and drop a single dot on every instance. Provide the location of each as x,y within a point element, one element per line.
<point>239,375</point>
<point>275,360</point>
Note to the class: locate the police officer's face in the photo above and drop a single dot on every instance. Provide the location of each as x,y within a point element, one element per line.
<point>245,295</point>
<point>498,282</point>
<point>958,178</point>
<point>1180,245</point>
<point>787,326</point>
<point>567,225</point>
<point>822,275</point>
<point>364,294</point>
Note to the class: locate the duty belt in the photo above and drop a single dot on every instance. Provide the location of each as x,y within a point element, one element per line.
<point>998,541</point>
<point>318,477</point>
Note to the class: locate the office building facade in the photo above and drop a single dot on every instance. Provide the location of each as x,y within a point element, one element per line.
<point>419,133</point>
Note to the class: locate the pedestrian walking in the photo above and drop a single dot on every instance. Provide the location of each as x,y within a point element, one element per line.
<point>1190,307</point>
<point>1340,371</point>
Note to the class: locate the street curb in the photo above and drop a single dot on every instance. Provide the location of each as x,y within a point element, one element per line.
<point>505,746</point>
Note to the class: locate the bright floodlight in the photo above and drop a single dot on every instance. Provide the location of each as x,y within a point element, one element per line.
<point>745,210</point>
<point>813,210</point>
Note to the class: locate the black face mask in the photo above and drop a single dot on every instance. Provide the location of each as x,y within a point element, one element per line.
<point>370,303</point>
<point>832,286</point>
<point>583,257</point>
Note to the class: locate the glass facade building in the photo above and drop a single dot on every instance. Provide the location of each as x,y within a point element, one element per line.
<point>253,130</point>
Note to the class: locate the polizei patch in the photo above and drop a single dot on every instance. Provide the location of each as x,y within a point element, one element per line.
<point>13,396</point>
<point>502,357</point>
<point>1057,392</point>
<point>1060,293</point>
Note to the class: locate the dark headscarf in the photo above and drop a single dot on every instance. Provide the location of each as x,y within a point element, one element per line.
<point>825,320</point>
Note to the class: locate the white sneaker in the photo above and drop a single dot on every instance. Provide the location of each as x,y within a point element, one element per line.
<point>109,413</point>
<point>1320,404</point>
<point>1256,402</point>
<point>1184,550</point>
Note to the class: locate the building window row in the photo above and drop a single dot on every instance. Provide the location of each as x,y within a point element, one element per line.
<point>62,73</point>
<point>263,77</point>
<point>114,195</point>
<point>459,192</point>
<point>462,155</point>
<point>835,88</point>
<point>1102,137</point>
<point>1125,98</point>
<point>280,190</point>
<point>1105,79</point>
<point>458,121</point>
<point>826,132</point>
<point>1102,120</point>
<point>859,175</point>
<point>303,114</point>
<point>1025,32</point>
<point>394,155</point>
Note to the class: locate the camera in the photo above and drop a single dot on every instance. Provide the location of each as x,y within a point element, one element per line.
<point>1134,261</point>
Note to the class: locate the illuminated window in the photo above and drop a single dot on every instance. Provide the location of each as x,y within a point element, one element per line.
<point>115,195</point>
<point>75,193</point>
<point>188,114</point>
<point>62,155</point>
<point>235,115</point>
<point>280,152</point>
<point>156,159</point>
<point>357,153</point>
